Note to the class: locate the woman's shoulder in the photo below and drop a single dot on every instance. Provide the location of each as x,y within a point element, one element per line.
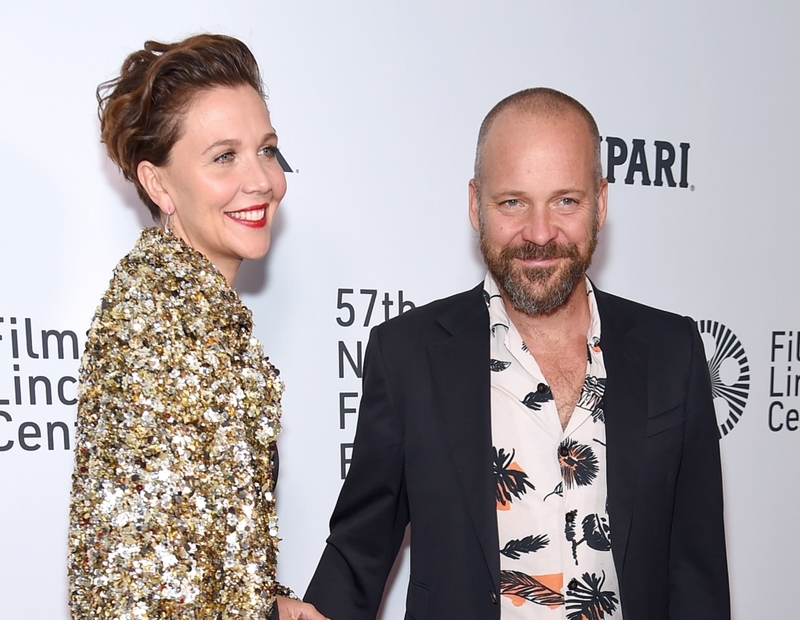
<point>161,265</point>
<point>162,284</point>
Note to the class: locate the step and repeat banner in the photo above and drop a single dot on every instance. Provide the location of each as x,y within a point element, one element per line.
<point>377,106</point>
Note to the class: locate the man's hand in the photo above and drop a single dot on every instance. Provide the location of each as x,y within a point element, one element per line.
<point>292,609</point>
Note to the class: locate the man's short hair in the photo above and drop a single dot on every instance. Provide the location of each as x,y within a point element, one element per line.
<point>538,101</point>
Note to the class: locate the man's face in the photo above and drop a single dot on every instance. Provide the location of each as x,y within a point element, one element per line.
<point>537,207</point>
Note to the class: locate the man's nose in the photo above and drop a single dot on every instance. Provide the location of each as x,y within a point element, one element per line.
<point>539,227</point>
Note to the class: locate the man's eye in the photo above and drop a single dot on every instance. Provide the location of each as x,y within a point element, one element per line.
<point>513,202</point>
<point>567,202</point>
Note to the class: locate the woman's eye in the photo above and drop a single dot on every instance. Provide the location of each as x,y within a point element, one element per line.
<point>225,158</point>
<point>269,151</point>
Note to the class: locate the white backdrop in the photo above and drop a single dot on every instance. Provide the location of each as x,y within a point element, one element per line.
<point>378,106</point>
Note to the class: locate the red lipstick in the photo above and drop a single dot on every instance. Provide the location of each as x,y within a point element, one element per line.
<point>252,217</point>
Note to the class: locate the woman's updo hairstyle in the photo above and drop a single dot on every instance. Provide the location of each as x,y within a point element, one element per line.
<point>141,110</point>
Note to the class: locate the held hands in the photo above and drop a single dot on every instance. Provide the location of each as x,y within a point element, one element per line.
<point>292,609</point>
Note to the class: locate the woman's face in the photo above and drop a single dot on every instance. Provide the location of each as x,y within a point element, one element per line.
<point>222,184</point>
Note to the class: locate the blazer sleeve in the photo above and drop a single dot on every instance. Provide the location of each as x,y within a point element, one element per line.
<point>371,514</point>
<point>698,565</point>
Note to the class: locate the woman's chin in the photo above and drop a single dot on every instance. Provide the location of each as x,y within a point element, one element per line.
<point>255,251</point>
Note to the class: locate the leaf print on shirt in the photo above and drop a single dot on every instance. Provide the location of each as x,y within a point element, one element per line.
<point>498,365</point>
<point>593,346</point>
<point>496,325</point>
<point>596,533</point>
<point>589,601</point>
<point>511,481</point>
<point>539,589</point>
<point>535,400</point>
<point>569,530</point>
<point>559,490</point>
<point>598,413</point>
<point>530,544</point>
<point>591,393</point>
<point>578,463</point>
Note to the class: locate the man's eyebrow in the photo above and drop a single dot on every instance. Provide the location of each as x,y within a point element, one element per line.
<point>504,191</point>
<point>507,190</point>
<point>571,190</point>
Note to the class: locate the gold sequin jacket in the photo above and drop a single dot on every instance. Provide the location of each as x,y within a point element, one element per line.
<point>172,512</point>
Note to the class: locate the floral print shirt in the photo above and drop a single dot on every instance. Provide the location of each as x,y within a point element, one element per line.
<point>552,509</point>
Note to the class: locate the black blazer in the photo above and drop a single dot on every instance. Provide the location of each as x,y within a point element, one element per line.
<point>423,453</point>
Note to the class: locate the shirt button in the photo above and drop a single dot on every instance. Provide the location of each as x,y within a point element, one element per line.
<point>570,516</point>
<point>541,388</point>
<point>573,584</point>
<point>493,596</point>
<point>563,450</point>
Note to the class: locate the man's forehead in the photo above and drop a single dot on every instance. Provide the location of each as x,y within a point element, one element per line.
<point>515,119</point>
<point>552,146</point>
<point>533,137</point>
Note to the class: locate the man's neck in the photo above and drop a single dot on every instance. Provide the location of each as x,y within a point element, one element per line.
<point>557,341</point>
<point>565,324</point>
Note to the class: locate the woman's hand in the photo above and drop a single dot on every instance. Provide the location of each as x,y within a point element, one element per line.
<point>292,609</point>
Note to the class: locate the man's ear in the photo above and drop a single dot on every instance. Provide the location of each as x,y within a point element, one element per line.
<point>474,205</point>
<point>602,204</point>
<point>150,176</point>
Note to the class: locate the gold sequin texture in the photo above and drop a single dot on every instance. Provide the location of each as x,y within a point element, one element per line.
<point>172,512</point>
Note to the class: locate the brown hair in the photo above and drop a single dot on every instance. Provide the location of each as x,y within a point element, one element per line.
<point>541,101</point>
<point>141,110</point>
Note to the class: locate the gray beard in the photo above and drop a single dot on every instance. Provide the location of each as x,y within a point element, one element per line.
<point>516,283</point>
<point>515,286</point>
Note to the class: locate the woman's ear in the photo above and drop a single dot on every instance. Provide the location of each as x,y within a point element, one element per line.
<point>150,177</point>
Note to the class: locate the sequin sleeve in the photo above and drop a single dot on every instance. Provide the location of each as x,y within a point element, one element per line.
<point>173,514</point>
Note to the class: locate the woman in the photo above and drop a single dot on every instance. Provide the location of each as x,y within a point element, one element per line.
<point>173,513</point>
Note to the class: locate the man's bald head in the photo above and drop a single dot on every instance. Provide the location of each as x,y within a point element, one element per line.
<point>539,102</point>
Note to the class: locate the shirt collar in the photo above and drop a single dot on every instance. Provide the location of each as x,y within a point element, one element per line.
<point>499,316</point>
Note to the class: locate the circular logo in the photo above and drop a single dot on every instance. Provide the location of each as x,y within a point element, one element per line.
<point>730,373</point>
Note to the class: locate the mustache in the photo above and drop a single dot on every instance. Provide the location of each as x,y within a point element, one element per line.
<point>533,251</point>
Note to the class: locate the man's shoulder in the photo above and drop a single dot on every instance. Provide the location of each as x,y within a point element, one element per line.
<point>453,309</point>
<point>643,321</point>
<point>612,302</point>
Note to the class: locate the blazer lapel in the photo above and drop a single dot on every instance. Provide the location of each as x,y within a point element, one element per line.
<point>625,408</point>
<point>462,385</point>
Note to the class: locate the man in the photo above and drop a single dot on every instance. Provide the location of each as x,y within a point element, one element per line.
<point>553,447</point>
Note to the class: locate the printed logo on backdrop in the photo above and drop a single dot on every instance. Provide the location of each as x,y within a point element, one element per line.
<point>784,383</point>
<point>730,373</point>
<point>659,163</point>
<point>357,311</point>
<point>38,386</point>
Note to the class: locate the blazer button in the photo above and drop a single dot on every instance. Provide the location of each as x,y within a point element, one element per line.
<point>541,388</point>
<point>563,450</point>
<point>493,596</point>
